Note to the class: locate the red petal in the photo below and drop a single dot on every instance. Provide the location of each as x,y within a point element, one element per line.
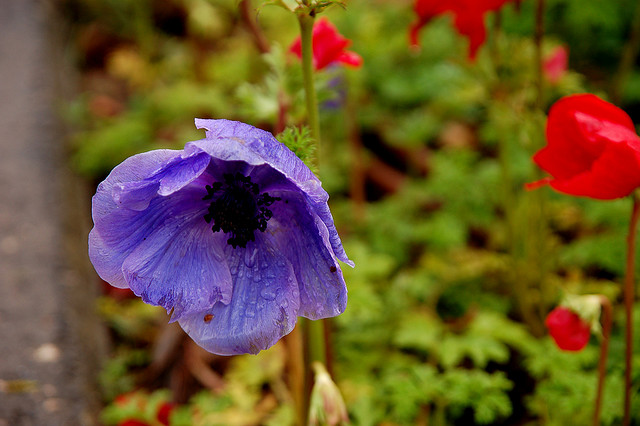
<point>537,184</point>
<point>567,329</point>
<point>615,174</point>
<point>470,23</point>
<point>427,9</point>
<point>350,58</point>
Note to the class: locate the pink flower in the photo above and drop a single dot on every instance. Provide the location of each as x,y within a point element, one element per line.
<point>555,65</point>
<point>569,331</point>
<point>468,18</point>
<point>328,47</point>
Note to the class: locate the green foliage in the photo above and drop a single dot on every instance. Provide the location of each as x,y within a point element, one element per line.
<point>242,401</point>
<point>130,319</point>
<point>485,392</point>
<point>280,86</point>
<point>116,377</point>
<point>299,140</point>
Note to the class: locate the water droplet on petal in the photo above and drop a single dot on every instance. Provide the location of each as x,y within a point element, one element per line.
<point>250,257</point>
<point>267,293</point>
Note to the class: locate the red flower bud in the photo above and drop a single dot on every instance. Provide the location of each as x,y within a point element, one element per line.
<point>555,65</point>
<point>569,331</point>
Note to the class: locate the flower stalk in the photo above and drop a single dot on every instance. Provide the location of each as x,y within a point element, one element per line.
<point>607,320</point>
<point>314,335</point>
<point>629,295</point>
<point>306,19</point>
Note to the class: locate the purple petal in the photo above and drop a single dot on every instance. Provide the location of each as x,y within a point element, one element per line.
<point>178,263</point>
<point>106,260</point>
<point>263,307</point>
<point>303,239</point>
<point>135,195</point>
<point>171,177</point>
<point>181,171</point>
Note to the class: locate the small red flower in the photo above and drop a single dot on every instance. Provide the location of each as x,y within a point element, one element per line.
<point>328,47</point>
<point>555,65</point>
<point>468,18</point>
<point>592,149</point>
<point>164,411</point>
<point>568,330</point>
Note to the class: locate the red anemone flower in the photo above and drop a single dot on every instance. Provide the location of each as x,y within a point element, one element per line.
<point>468,18</point>
<point>328,47</point>
<point>592,149</point>
<point>569,331</point>
<point>555,65</point>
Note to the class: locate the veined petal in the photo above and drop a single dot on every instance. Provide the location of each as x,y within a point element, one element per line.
<point>181,171</point>
<point>179,263</point>
<point>135,195</point>
<point>136,168</point>
<point>304,240</point>
<point>106,259</point>
<point>263,308</point>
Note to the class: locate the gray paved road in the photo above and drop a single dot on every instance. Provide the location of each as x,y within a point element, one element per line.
<point>47,343</point>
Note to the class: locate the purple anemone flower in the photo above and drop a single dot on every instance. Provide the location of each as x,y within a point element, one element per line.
<point>232,235</point>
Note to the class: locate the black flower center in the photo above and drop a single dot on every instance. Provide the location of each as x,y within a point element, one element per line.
<point>238,208</point>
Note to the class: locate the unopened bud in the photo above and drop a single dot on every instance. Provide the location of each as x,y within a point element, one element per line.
<point>327,406</point>
<point>588,307</point>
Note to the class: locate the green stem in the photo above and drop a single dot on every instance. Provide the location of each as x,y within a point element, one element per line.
<point>316,342</point>
<point>629,290</point>
<point>306,38</point>
<point>315,331</point>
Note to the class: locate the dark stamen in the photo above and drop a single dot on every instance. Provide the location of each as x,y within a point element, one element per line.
<point>238,208</point>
